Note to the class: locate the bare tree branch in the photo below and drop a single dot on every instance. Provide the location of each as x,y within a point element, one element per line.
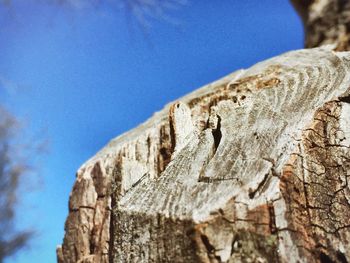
<point>12,170</point>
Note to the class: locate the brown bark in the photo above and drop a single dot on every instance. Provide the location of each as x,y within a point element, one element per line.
<point>325,22</point>
<point>251,168</point>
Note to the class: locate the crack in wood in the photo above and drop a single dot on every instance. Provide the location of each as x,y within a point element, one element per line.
<point>217,134</point>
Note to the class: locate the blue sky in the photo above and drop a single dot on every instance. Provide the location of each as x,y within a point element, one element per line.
<point>84,76</point>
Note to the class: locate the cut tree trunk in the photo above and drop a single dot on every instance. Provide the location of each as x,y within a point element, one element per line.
<point>251,168</point>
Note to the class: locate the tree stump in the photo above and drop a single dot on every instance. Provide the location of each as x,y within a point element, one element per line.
<point>251,168</point>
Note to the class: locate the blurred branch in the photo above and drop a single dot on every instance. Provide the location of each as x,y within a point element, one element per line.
<point>8,248</point>
<point>13,167</point>
<point>144,10</point>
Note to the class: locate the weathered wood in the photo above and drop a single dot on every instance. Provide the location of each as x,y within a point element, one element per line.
<point>251,168</point>
<point>325,22</point>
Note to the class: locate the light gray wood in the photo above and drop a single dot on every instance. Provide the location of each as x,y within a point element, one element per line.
<point>251,168</point>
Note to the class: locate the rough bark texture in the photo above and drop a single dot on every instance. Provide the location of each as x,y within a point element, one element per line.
<point>325,22</point>
<point>251,168</point>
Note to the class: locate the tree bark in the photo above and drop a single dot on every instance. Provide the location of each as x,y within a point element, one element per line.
<point>251,168</point>
<point>325,22</point>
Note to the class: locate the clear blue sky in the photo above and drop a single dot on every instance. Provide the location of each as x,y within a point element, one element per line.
<point>85,76</point>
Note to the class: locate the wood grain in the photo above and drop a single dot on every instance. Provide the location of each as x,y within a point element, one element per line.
<point>251,168</point>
